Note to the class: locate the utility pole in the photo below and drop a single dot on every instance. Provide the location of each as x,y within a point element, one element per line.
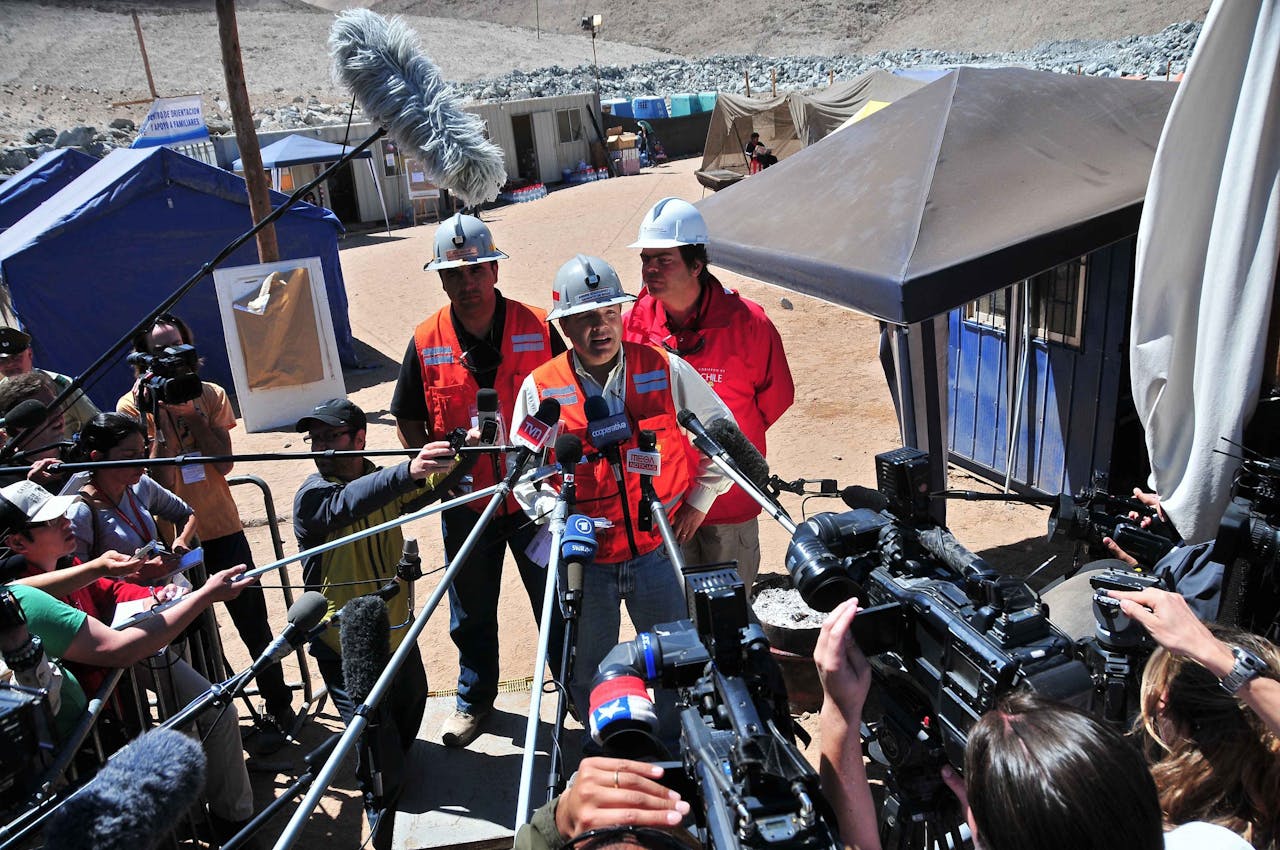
<point>246,137</point>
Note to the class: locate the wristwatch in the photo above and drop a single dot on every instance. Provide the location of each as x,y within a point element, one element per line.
<point>1248,667</point>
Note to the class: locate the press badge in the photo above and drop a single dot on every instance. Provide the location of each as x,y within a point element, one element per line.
<point>192,473</point>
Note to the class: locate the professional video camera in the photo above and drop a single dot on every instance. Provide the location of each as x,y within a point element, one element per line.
<point>27,737</point>
<point>945,633</point>
<point>1095,514</point>
<point>748,784</point>
<point>1248,544</point>
<point>169,377</point>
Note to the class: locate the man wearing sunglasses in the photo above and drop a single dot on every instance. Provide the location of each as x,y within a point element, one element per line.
<point>732,344</point>
<point>479,340</point>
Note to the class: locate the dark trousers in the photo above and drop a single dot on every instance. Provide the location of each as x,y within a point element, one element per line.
<point>249,613</point>
<point>473,600</point>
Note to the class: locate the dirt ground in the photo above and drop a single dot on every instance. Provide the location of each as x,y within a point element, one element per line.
<point>842,417</point>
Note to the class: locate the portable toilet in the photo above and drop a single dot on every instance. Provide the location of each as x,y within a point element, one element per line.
<point>648,107</point>
<point>617,106</point>
<point>707,99</point>
<point>685,103</point>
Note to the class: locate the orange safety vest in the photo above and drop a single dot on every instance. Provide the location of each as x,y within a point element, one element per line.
<point>450,388</point>
<point>649,407</point>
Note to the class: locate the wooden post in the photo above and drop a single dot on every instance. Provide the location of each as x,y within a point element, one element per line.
<point>246,137</point>
<point>831,78</point>
<point>146,63</point>
<point>773,81</point>
<point>746,75</point>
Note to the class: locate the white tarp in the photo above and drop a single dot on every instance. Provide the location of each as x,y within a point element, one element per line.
<point>1206,262</point>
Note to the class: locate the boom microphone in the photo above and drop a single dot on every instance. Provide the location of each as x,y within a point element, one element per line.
<point>381,62</point>
<point>741,450</point>
<point>25,414</point>
<point>304,615</point>
<point>365,639</point>
<point>136,799</point>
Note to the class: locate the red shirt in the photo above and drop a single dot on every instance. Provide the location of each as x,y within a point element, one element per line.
<point>741,357</point>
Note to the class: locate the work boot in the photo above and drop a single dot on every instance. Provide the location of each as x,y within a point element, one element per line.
<point>272,733</point>
<point>462,727</point>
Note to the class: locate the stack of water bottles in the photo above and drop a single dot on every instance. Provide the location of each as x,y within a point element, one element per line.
<point>583,173</point>
<point>532,192</point>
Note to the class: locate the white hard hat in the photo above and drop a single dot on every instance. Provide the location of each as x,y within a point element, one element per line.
<point>461,240</point>
<point>585,283</point>
<point>670,224</point>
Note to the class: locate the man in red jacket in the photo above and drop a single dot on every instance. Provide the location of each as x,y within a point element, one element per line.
<point>732,344</point>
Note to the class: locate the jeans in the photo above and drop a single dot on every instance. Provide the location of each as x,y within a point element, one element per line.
<point>653,595</point>
<point>249,613</point>
<point>473,600</point>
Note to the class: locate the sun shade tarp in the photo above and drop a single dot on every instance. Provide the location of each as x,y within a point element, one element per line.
<point>39,182</point>
<point>93,260</point>
<point>300,150</point>
<point>969,184</point>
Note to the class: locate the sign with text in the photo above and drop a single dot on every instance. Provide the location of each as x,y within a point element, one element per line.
<point>173,120</point>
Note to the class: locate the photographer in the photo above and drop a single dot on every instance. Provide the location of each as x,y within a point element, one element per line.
<point>605,792</point>
<point>202,426</point>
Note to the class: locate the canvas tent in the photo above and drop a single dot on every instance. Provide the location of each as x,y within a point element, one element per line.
<point>94,259</point>
<point>965,186</point>
<point>297,150</point>
<point>792,121</point>
<point>39,182</point>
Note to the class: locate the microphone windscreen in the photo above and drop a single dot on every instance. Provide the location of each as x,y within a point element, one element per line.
<point>136,799</point>
<point>26,414</point>
<point>548,411</point>
<point>744,453</point>
<point>568,450</point>
<point>487,400</point>
<point>864,497</point>
<point>381,62</point>
<point>308,610</point>
<point>595,407</point>
<point>365,639</point>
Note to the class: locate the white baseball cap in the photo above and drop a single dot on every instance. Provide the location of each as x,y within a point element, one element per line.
<point>37,503</point>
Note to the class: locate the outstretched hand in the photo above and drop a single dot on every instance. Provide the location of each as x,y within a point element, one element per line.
<point>843,669</point>
<point>617,792</point>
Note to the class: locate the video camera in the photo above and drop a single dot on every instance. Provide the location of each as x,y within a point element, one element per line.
<point>1096,514</point>
<point>748,784</point>
<point>170,377</point>
<point>1248,544</point>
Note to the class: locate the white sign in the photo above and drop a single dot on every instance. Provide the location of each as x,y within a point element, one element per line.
<point>173,120</point>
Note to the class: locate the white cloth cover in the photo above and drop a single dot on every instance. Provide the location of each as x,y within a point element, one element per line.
<point>1206,262</point>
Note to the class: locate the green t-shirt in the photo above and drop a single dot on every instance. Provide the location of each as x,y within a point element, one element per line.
<point>57,624</point>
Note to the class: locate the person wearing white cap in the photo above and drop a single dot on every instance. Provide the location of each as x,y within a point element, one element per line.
<point>732,344</point>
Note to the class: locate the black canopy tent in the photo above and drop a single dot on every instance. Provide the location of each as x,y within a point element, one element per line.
<point>967,185</point>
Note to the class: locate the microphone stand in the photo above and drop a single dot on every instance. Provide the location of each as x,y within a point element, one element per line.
<point>559,517</point>
<point>715,453</point>
<point>361,719</point>
<point>651,510</point>
<point>303,782</point>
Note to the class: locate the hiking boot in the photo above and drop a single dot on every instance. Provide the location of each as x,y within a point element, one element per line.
<point>462,727</point>
<point>272,733</point>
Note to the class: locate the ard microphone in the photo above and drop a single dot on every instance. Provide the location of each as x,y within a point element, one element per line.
<point>742,451</point>
<point>488,418</point>
<point>365,639</point>
<point>135,800</point>
<point>304,615</point>
<point>577,549</point>
<point>25,414</point>
<point>381,62</point>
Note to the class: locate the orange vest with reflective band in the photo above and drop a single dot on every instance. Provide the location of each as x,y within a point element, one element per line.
<point>450,388</point>
<point>649,407</point>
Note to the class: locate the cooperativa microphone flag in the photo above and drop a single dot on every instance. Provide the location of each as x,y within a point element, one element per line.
<point>381,62</point>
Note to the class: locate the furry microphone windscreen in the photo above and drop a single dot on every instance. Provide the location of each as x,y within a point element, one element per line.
<point>136,799</point>
<point>381,62</point>
<point>748,458</point>
<point>365,638</point>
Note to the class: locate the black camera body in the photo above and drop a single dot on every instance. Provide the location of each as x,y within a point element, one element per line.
<point>169,377</point>
<point>1096,514</point>
<point>748,784</point>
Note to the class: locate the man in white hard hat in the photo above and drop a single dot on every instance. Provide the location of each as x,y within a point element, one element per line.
<point>481,340</point>
<point>650,386</point>
<point>732,344</point>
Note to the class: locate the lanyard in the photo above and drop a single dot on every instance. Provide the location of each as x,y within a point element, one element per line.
<point>143,537</point>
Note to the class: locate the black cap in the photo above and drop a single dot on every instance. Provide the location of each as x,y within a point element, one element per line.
<point>13,341</point>
<point>337,412</point>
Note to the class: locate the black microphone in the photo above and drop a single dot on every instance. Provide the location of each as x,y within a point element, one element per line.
<point>864,497</point>
<point>703,441</point>
<point>381,62</point>
<point>488,417</point>
<point>534,432</point>
<point>606,431</point>
<point>743,452</point>
<point>568,449</point>
<point>304,615</point>
<point>365,640</point>
<point>135,800</point>
<point>25,414</point>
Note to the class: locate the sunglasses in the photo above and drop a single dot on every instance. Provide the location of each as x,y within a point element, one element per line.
<point>685,342</point>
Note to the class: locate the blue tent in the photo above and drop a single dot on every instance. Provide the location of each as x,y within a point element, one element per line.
<point>300,150</point>
<point>94,259</point>
<point>39,182</point>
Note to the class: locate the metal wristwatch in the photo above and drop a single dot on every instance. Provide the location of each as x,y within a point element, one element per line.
<point>1248,667</point>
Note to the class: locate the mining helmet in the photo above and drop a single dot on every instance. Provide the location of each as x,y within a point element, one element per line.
<point>585,283</point>
<point>461,240</point>
<point>670,224</point>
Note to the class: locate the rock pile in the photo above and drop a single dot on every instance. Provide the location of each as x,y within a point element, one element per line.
<point>1156,55</point>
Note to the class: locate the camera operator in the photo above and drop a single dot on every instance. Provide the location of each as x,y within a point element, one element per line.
<point>203,426</point>
<point>605,792</point>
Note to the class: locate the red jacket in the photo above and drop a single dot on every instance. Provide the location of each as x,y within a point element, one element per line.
<point>741,358</point>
